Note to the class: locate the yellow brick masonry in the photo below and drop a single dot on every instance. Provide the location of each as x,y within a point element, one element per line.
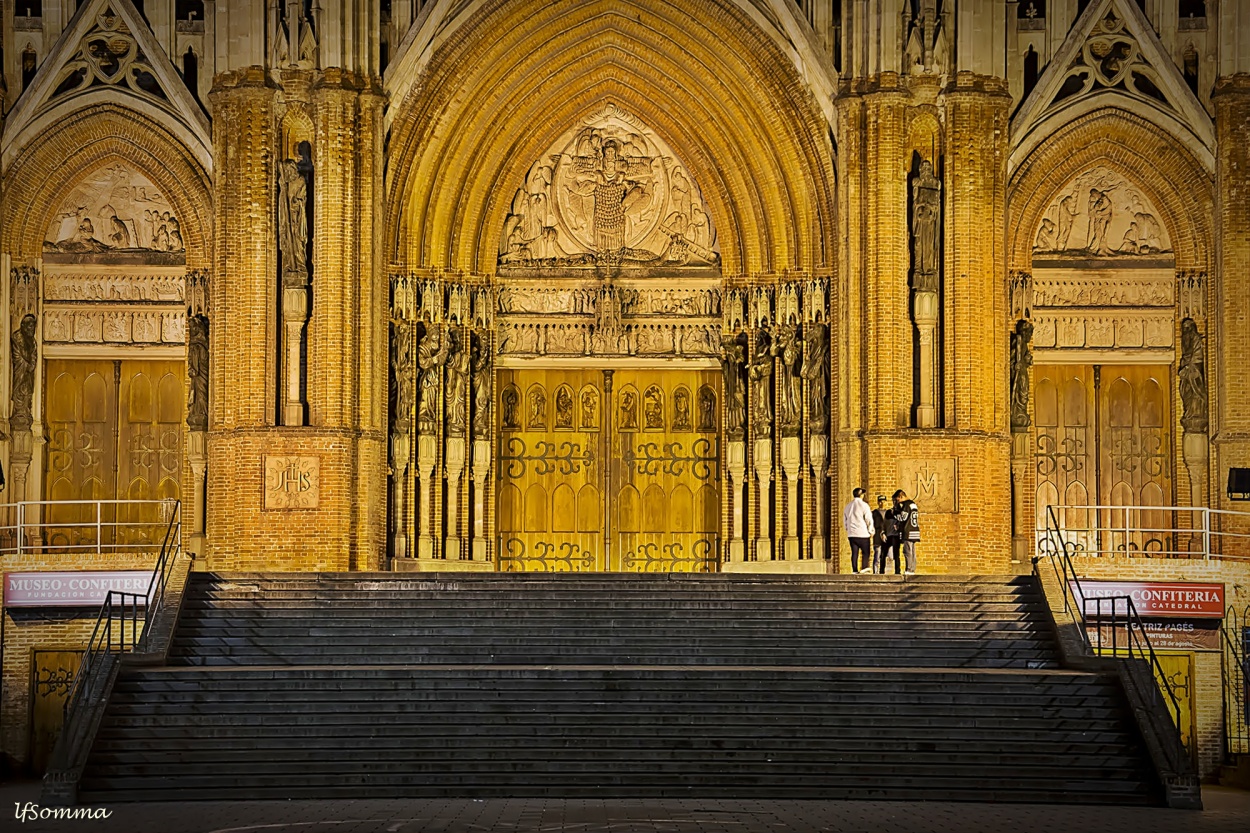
<point>1208,694</point>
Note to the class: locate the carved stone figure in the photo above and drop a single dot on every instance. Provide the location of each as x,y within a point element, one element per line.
<point>293,223</point>
<point>511,404</point>
<point>1192,374</point>
<point>564,407</point>
<point>629,410</point>
<point>197,373</point>
<point>1099,221</point>
<point>25,355</point>
<point>431,356</point>
<point>482,384</point>
<point>926,214</point>
<point>590,407</point>
<point>1067,215</point>
<point>653,408</point>
<point>788,350</point>
<point>733,356</point>
<point>681,410</point>
<point>816,371</point>
<point>1021,361</point>
<point>457,386</point>
<point>538,409</point>
<point>707,409</point>
<point>761,372</point>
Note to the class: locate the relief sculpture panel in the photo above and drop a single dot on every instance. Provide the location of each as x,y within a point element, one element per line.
<point>1100,214</point>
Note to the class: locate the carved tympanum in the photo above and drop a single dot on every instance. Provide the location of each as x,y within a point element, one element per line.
<point>1101,214</point>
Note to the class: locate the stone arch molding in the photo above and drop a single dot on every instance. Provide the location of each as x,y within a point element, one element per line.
<point>609,190</point>
<point>707,83</point>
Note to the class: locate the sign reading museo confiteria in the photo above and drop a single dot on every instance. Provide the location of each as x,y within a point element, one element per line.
<point>71,589</point>
<point>1177,616</point>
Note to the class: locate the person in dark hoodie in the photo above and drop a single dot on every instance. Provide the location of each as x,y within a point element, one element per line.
<point>907,521</point>
<point>882,524</point>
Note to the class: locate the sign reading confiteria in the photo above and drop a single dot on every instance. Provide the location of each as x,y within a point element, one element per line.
<point>1155,599</point>
<point>72,589</point>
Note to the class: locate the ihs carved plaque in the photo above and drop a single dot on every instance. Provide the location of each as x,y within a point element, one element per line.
<point>292,482</point>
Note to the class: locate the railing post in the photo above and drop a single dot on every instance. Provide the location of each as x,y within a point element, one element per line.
<point>99,527</point>
<point>21,527</point>
<point>1206,533</point>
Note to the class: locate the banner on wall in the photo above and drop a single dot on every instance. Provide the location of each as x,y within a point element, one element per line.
<point>85,588</point>
<point>1176,615</point>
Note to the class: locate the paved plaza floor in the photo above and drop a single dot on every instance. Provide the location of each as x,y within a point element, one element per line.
<point>1226,811</point>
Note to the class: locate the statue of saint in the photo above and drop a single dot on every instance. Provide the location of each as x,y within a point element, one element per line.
<point>1021,361</point>
<point>788,349</point>
<point>483,378</point>
<point>761,372</point>
<point>293,223</point>
<point>25,355</point>
<point>816,371</point>
<point>511,402</point>
<point>1099,221</point>
<point>457,386</point>
<point>733,356</point>
<point>431,356</point>
<point>617,186</point>
<point>1192,375</point>
<point>926,214</point>
<point>197,373</point>
<point>707,409</point>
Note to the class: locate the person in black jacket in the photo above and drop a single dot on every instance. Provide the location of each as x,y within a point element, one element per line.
<point>882,523</point>
<point>906,517</point>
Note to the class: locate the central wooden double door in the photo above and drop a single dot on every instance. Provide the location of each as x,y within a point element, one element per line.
<point>608,470</point>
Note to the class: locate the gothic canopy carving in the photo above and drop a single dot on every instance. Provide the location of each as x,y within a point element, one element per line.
<point>115,210</point>
<point>1100,214</point>
<point>608,192</point>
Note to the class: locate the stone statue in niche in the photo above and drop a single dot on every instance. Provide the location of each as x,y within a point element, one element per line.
<point>401,376</point>
<point>1021,361</point>
<point>787,349</point>
<point>564,407</point>
<point>681,410</point>
<point>458,359</point>
<point>707,409</point>
<point>197,373</point>
<point>511,405</point>
<point>590,407</point>
<point>733,357</point>
<point>538,410</point>
<point>816,371</point>
<point>653,409</point>
<point>293,176</point>
<point>431,356</point>
<point>761,373</point>
<point>1192,374</point>
<point>482,384</point>
<point>629,410</point>
<point>926,215</point>
<point>25,355</point>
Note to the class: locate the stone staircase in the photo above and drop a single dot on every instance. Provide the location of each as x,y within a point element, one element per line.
<point>721,686</point>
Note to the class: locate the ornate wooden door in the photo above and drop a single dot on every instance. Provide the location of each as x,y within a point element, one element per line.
<point>114,432</point>
<point>630,487</point>
<point>1103,436</point>
<point>52,675</point>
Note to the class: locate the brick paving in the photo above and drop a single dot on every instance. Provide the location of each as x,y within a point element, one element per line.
<point>1225,810</point>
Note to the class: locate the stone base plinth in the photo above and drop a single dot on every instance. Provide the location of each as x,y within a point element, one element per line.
<point>805,567</point>
<point>440,565</point>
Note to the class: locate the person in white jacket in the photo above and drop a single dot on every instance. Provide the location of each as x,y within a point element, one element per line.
<point>857,518</point>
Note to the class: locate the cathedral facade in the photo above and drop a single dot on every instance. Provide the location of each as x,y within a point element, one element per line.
<point>628,285</point>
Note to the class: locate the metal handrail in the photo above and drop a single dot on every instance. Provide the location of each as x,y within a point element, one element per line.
<point>1212,533</point>
<point>111,635</point>
<point>1235,671</point>
<point>1137,639</point>
<point>25,527</point>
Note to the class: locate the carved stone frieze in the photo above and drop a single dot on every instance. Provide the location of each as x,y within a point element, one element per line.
<point>587,300</point>
<point>1104,329</point>
<point>1100,214</point>
<point>1112,290</point>
<point>113,326</point>
<point>536,338</point>
<point>609,191</point>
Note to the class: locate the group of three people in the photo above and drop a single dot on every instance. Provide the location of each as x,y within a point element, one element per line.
<point>880,533</point>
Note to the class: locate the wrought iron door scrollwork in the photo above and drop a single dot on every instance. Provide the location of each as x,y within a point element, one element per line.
<point>650,459</point>
<point>565,457</point>
<point>667,558</point>
<point>547,556</point>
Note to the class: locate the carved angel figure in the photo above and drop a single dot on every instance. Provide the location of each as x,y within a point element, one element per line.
<point>617,186</point>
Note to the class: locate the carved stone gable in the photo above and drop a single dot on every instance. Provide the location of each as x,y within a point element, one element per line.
<point>609,192</point>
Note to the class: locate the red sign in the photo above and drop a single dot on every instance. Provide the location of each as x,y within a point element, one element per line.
<point>72,589</point>
<point>1174,599</point>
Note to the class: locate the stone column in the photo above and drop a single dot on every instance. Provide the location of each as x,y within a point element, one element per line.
<point>763,460</point>
<point>454,465</point>
<point>925,310</point>
<point>427,461</point>
<point>818,457</point>
<point>791,461</point>
<point>480,544</point>
<point>736,465</point>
